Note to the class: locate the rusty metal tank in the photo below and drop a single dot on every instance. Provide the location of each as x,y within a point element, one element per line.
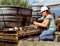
<point>14,16</point>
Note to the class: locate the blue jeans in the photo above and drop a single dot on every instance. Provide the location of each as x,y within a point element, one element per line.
<point>47,34</point>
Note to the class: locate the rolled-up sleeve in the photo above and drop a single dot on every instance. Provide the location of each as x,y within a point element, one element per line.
<point>49,17</point>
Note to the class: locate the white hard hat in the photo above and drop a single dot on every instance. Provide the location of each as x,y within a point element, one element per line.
<point>44,8</point>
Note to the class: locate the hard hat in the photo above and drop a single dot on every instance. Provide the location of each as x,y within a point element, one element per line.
<point>44,8</point>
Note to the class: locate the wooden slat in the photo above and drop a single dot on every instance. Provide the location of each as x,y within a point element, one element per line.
<point>10,34</point>
<point>10,41</point>
<point>10,38</point>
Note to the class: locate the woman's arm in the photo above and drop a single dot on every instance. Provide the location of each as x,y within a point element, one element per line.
<point>43,24</point>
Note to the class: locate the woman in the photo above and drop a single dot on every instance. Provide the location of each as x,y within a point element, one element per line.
<point>49,23</point>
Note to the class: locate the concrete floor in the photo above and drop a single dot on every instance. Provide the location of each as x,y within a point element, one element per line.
<point>31,42</point>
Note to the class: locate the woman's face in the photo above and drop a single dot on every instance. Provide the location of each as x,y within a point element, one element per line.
<point>44,13</point>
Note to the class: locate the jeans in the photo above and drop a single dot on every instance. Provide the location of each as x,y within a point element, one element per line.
<point>47,34</point>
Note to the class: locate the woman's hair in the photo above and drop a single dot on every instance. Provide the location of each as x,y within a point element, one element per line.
<point>48,12</point>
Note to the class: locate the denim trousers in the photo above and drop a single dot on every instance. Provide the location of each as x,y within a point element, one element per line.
<point>47,34</point>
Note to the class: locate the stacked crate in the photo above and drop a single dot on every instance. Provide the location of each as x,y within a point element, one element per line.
<point>1,35</point>
<point>11,36</point>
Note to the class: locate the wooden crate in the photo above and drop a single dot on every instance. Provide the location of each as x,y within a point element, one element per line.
<point>1,35</point>
<point>58,25</point>
<point>9,36</point>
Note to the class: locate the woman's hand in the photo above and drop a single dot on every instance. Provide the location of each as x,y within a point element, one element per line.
<point>35,22</point>
<point>45,23</point>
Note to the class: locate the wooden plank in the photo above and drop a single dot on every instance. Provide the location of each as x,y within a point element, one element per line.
<point>11,38</point>
<point>11,41</point>
<point>10,34</point>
